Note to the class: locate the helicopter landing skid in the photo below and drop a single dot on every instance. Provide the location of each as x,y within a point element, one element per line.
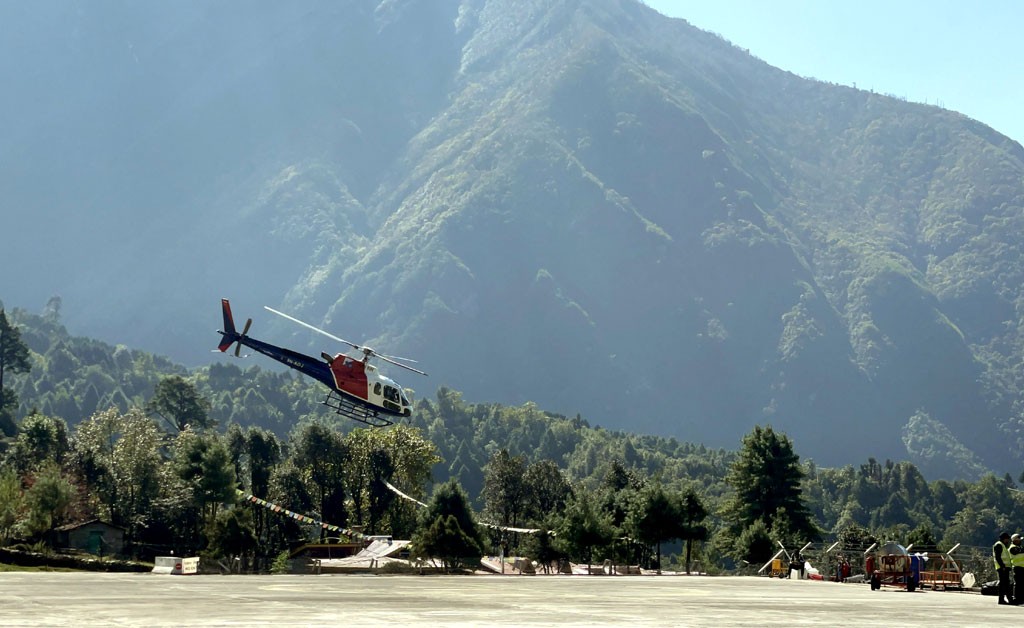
<point>355,411</point>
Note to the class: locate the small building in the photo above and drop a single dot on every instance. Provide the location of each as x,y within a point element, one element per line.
<point>95,537</point>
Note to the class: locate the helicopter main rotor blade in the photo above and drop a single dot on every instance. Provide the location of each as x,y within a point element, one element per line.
<point>367,351</point>
<point>405,366</point>
<point>316,329</point>
<point>396,357</point>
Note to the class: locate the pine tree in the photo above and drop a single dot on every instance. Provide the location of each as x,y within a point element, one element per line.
<point>14,358</point>
<point>451,499</point>
<point>766,477</point>
<point>448,530</point>
<point>444,539</point>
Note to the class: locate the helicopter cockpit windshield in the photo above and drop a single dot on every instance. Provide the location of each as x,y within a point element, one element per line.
<point>394,396</point>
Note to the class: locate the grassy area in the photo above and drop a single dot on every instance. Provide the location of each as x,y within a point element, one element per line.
<point>6,567</point>
<point>12,559</point>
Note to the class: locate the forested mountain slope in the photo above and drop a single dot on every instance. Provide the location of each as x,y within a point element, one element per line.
<point>576,202</point>
<point>76,382</point>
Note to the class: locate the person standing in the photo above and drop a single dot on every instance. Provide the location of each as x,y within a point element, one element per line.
<point>1017,563</point>
<point>797,565</point>
<point>1001,557</point>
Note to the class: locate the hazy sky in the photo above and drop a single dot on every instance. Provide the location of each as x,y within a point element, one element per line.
<point>964,56</point>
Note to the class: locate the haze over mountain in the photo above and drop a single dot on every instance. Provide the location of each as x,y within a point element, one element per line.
<point>577,202</point>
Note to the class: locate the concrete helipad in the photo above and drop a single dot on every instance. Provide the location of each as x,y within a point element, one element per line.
<point>86,599</point>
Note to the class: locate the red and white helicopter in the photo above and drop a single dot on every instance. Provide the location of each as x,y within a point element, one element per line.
<point>358,390</point>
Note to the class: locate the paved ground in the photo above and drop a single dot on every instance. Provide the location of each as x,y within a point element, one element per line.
<point>85,599</point>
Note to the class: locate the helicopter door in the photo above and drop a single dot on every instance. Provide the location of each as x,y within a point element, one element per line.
<point>392,400</point>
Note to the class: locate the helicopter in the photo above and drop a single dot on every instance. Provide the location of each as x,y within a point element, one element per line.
<point>358,391</point>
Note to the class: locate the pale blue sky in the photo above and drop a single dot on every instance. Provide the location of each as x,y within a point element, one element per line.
<point>964,56</point>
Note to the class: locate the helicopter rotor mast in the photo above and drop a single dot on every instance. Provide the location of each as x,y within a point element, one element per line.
<point>367,351</point>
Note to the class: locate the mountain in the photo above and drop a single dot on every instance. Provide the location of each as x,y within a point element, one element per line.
<point>576,202</point>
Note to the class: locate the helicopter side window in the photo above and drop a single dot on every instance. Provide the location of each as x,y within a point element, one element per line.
<point>376,388</point>
<point>391,393</point>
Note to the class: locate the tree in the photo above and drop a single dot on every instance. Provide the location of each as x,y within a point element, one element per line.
<point>399,456</point>
<point>176,519</point>
<point>289,490</point>
<point>40,439</point>
<point>656,518</point>
<point>584,528</point>
<point>259,452</point>
<point>47,499</point>
<point>8,410</point>
<point>974,527</point>
<point>444,539</point>
<point>692,512</point>
<point>203,462</point>
<point>14,358</point>
<point>947,501</point>
<point>448,530</point>
<point>321,455</point>
<point>547,490</point>
<point>235,439</point>
<point>263,453</point>
<point>922,538</point>
<point>232,535</point>
<point>51,312</point>
<point>360,444</point>
<point>766,479</point>
<point>14,353</point>
<point>450,499</point>
<point>413,457</point>
<point>118,456</point>
<point>180,405</point>
<point>855,538</point>
<point>504,488</point>
<point>12,503</point>
<point>382,469</point>
<point>755,544</point>
<point>620,490</point>
<point>541,548</point>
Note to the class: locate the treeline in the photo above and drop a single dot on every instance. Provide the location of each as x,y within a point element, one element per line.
<point>178,492</point>
<point>164,449</point>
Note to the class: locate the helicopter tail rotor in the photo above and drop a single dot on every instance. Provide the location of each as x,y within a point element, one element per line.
<point>245,330</point>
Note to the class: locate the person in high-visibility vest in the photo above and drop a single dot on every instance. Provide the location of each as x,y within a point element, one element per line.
<point>1017,562</point>
<point>1001,557</point>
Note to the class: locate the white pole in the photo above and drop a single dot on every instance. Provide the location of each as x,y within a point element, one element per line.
<point>770,560</point>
